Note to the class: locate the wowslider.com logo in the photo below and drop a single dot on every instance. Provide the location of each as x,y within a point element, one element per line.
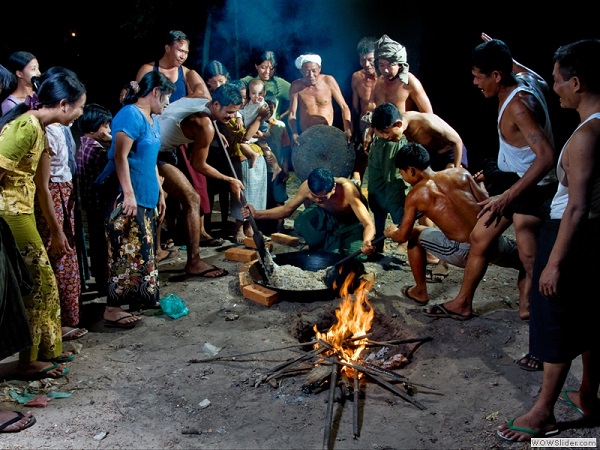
<point>563,442</point>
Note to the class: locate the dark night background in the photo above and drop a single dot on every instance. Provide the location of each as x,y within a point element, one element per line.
<point>111,43</point>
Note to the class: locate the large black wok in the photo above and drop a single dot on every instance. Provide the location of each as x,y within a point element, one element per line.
<point>312,261</point>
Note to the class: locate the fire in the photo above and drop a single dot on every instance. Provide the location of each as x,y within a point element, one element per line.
<point>354,318</point>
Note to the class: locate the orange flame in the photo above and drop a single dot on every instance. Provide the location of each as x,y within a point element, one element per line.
<point>354,319</point>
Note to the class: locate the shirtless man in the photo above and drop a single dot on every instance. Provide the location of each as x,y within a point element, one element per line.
<point>187,81</point>
<point>527,149</point>
<point>190,121</point>
<point>340,206</point>
<point>396,84</point>
<point>386,187</point>
<point>450,199</point>
<point>311,96</point>
<point>363,81</point>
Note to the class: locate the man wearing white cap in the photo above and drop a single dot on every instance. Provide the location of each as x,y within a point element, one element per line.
<point>310,98</point>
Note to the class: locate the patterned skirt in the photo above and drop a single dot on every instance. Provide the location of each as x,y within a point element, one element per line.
<point>43,303</point>
<point>66,267</point>
<point>132,269</point>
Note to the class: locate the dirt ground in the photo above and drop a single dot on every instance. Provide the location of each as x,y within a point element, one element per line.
<point>146,388</point>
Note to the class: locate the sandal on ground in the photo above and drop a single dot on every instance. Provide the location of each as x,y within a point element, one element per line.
<point>43,373</point>
<point>168,245</point>
<point>118,323</point>
<point>172,253</point>
<point>529,363</point>
<point>74,333</point>
<point>12,425</point>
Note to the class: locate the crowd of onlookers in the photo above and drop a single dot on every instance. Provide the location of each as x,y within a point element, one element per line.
<point>146,177</point>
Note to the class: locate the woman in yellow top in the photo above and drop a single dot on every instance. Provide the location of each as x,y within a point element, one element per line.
<point>59,99</point>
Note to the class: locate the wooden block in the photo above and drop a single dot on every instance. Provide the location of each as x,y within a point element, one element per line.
<point>240,254</point>
<point>249,242</point>
<point>284,239</point>
<point>260,294</point>
<point>245,279</point>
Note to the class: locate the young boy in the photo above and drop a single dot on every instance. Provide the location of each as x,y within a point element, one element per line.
<point>91,159</point>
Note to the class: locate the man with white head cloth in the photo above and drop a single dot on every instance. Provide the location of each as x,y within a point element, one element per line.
<point>396,84</point>
<point>311,98</point>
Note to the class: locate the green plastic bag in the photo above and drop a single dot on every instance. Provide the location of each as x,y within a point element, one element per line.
<point>173,306</point>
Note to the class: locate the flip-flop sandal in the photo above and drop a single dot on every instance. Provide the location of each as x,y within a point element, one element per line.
<point>212,242</point>
<point>61,359</point>
<point>169,244</point>
<point>119,324</point>
<point>441,312</point>
<point>171,255</point>
<point>436,274</point>
<point>405,290</point>
<point>526,365</point>
<point>565,400</point>
<point>19,416</point>
<point>75,333</point>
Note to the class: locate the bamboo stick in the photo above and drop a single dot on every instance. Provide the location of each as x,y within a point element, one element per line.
<point>355,428</point>
<point>371,343</point>
<point>224,357</point>
<point>308,355</point>
<point>329,417</point>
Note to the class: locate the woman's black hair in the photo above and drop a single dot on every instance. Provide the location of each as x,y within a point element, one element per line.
<point>60,84</point>
<point>15,62</point>
<point>151,80</point>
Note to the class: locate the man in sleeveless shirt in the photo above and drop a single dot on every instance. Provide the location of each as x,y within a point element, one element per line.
<point>563,324</point>
<point>187,81</point>
<point>527,149</point>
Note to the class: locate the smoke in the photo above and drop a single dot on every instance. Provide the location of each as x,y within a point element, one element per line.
<point>289,29</point>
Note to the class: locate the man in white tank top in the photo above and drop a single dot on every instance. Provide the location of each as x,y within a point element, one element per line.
<point>563,323</point>
<point>526,136</point>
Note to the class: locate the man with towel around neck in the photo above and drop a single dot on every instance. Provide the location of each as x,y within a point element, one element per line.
<point>310,98</point>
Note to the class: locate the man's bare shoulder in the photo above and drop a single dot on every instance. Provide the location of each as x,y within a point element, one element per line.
<point>348,186</point>
<point>200,119</point>
<point>296,85</point>
<point>148,67</point>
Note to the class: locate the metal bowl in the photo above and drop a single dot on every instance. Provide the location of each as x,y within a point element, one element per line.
<point>312,261</point>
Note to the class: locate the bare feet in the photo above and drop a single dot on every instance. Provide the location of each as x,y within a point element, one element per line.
<point>116,313</point>
<point>253,159</point>
<point>276,172</point>
<point>432,259</point>
<point>248,231</point>
<point>240,236</point>
<point>523,309</point>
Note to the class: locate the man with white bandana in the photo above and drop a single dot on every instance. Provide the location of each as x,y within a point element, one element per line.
<point>396,84</point>
<point>311,98</point>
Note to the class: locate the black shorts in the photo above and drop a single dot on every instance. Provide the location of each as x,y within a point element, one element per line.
<point>535,201</point>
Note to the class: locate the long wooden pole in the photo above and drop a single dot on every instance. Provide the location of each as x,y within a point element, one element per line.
<point>329,417</point>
